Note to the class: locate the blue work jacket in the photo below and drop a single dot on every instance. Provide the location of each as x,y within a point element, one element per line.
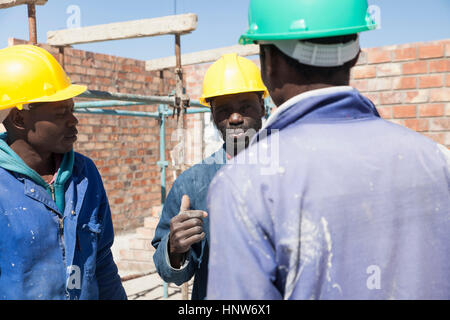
<point>193,182</point>
<point>332,202</point>
<point>49,254</point>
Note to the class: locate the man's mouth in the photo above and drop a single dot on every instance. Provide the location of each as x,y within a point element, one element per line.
<point>71,136</point>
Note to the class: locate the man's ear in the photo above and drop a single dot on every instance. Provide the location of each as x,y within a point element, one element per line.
<point>211,105</point>
<point>16,119</point>
<point>263,107</point>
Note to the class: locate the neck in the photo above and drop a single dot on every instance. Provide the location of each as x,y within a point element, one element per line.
<point>41,162</point>
<point>290,90</point>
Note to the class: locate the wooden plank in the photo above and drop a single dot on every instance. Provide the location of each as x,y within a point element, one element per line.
<point>177,24</point>
<point>201,56</point>
<point>12,3</point>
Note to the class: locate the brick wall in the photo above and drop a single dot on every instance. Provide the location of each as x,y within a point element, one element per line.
<point>409,84</point>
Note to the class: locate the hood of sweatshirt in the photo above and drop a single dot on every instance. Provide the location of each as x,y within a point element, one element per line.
<point>10,161</point>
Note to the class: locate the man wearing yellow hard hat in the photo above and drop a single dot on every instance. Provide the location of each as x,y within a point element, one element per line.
<point>233,89</point>
<point>56,230</point>
<point>358,208</point>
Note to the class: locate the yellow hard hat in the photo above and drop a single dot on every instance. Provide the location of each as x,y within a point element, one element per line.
<point>231,74</point>
<point>30,74</point>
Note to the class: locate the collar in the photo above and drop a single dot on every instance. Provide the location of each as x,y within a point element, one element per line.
<point>308,94</point>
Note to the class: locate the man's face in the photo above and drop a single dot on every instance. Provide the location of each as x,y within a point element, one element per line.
<point>51,126</point>
<point>238,117</point>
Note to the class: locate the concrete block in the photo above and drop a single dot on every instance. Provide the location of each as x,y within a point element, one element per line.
<point>151,222</point>
<point>145,233</point>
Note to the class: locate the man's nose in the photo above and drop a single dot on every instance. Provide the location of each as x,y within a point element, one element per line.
<point>72,121</point>
<point>235,118</point>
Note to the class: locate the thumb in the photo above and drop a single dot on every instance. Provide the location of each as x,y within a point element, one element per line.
<point>185,203</point>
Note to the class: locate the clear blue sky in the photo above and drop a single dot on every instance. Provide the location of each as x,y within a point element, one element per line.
<point>220,23</point>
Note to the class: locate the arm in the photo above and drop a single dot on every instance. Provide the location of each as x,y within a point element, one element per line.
<point>174,260</point>
<point>109,283</point>
<point>242,260</point>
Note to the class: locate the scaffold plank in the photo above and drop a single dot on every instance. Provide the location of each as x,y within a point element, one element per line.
<point>12,3</point>
<point>176,24</point>
<point>201,56</point>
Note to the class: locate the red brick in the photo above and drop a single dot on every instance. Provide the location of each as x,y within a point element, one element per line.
<point>431,110</point>
<point>362,72</point>
<point>442,65</point>
<point>447,80</point>
<point>385,112</point>
<point>419,96</point>
<point>440,95</point>
<point>440,124</point>
<point>405,83</point>
<point>377,55</point>
<point>388,69</point>
<point>418,125</point>
<point>361,85</point>
<point>430,81</point>
<point>414,67</point>
<point>379,84</point>
<point>431,51</point>
<point>405,111</point>
<point>391,97</point>
<point>405,54</point>
<point>118,200</point>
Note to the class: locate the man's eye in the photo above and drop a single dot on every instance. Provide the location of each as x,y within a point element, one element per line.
<point>246,107</point>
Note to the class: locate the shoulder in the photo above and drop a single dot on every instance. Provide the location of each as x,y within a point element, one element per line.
<point>84,166</point>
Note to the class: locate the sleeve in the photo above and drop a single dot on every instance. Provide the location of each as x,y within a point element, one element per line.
<point>160,241</point>
<point>235,209</point>
<point>108,279</point>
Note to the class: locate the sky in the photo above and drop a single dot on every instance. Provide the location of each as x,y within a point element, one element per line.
<point>220,23</point>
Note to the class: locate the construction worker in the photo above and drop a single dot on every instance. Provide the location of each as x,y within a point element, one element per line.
<point>233,89</point>
<point>55,223</point>
<point>358,208</point>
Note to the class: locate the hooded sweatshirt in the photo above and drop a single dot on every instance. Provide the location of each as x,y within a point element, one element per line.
<point>9,160</point>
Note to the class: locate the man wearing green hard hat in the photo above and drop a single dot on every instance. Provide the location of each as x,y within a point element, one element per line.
<point>358,207</point>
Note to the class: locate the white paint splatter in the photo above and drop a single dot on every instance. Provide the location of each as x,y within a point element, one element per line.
<point>329,246</point>
<point>329,243</point>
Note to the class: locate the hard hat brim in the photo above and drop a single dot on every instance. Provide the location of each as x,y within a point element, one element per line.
<point>251,38</point>
<point>64,94</point>
<point>203,99</point>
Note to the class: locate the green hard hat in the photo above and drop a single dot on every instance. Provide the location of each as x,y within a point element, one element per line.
<point>305,19</point>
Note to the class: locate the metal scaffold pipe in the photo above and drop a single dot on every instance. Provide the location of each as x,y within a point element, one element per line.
<point>32,23</point>
<point>148,100</point>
